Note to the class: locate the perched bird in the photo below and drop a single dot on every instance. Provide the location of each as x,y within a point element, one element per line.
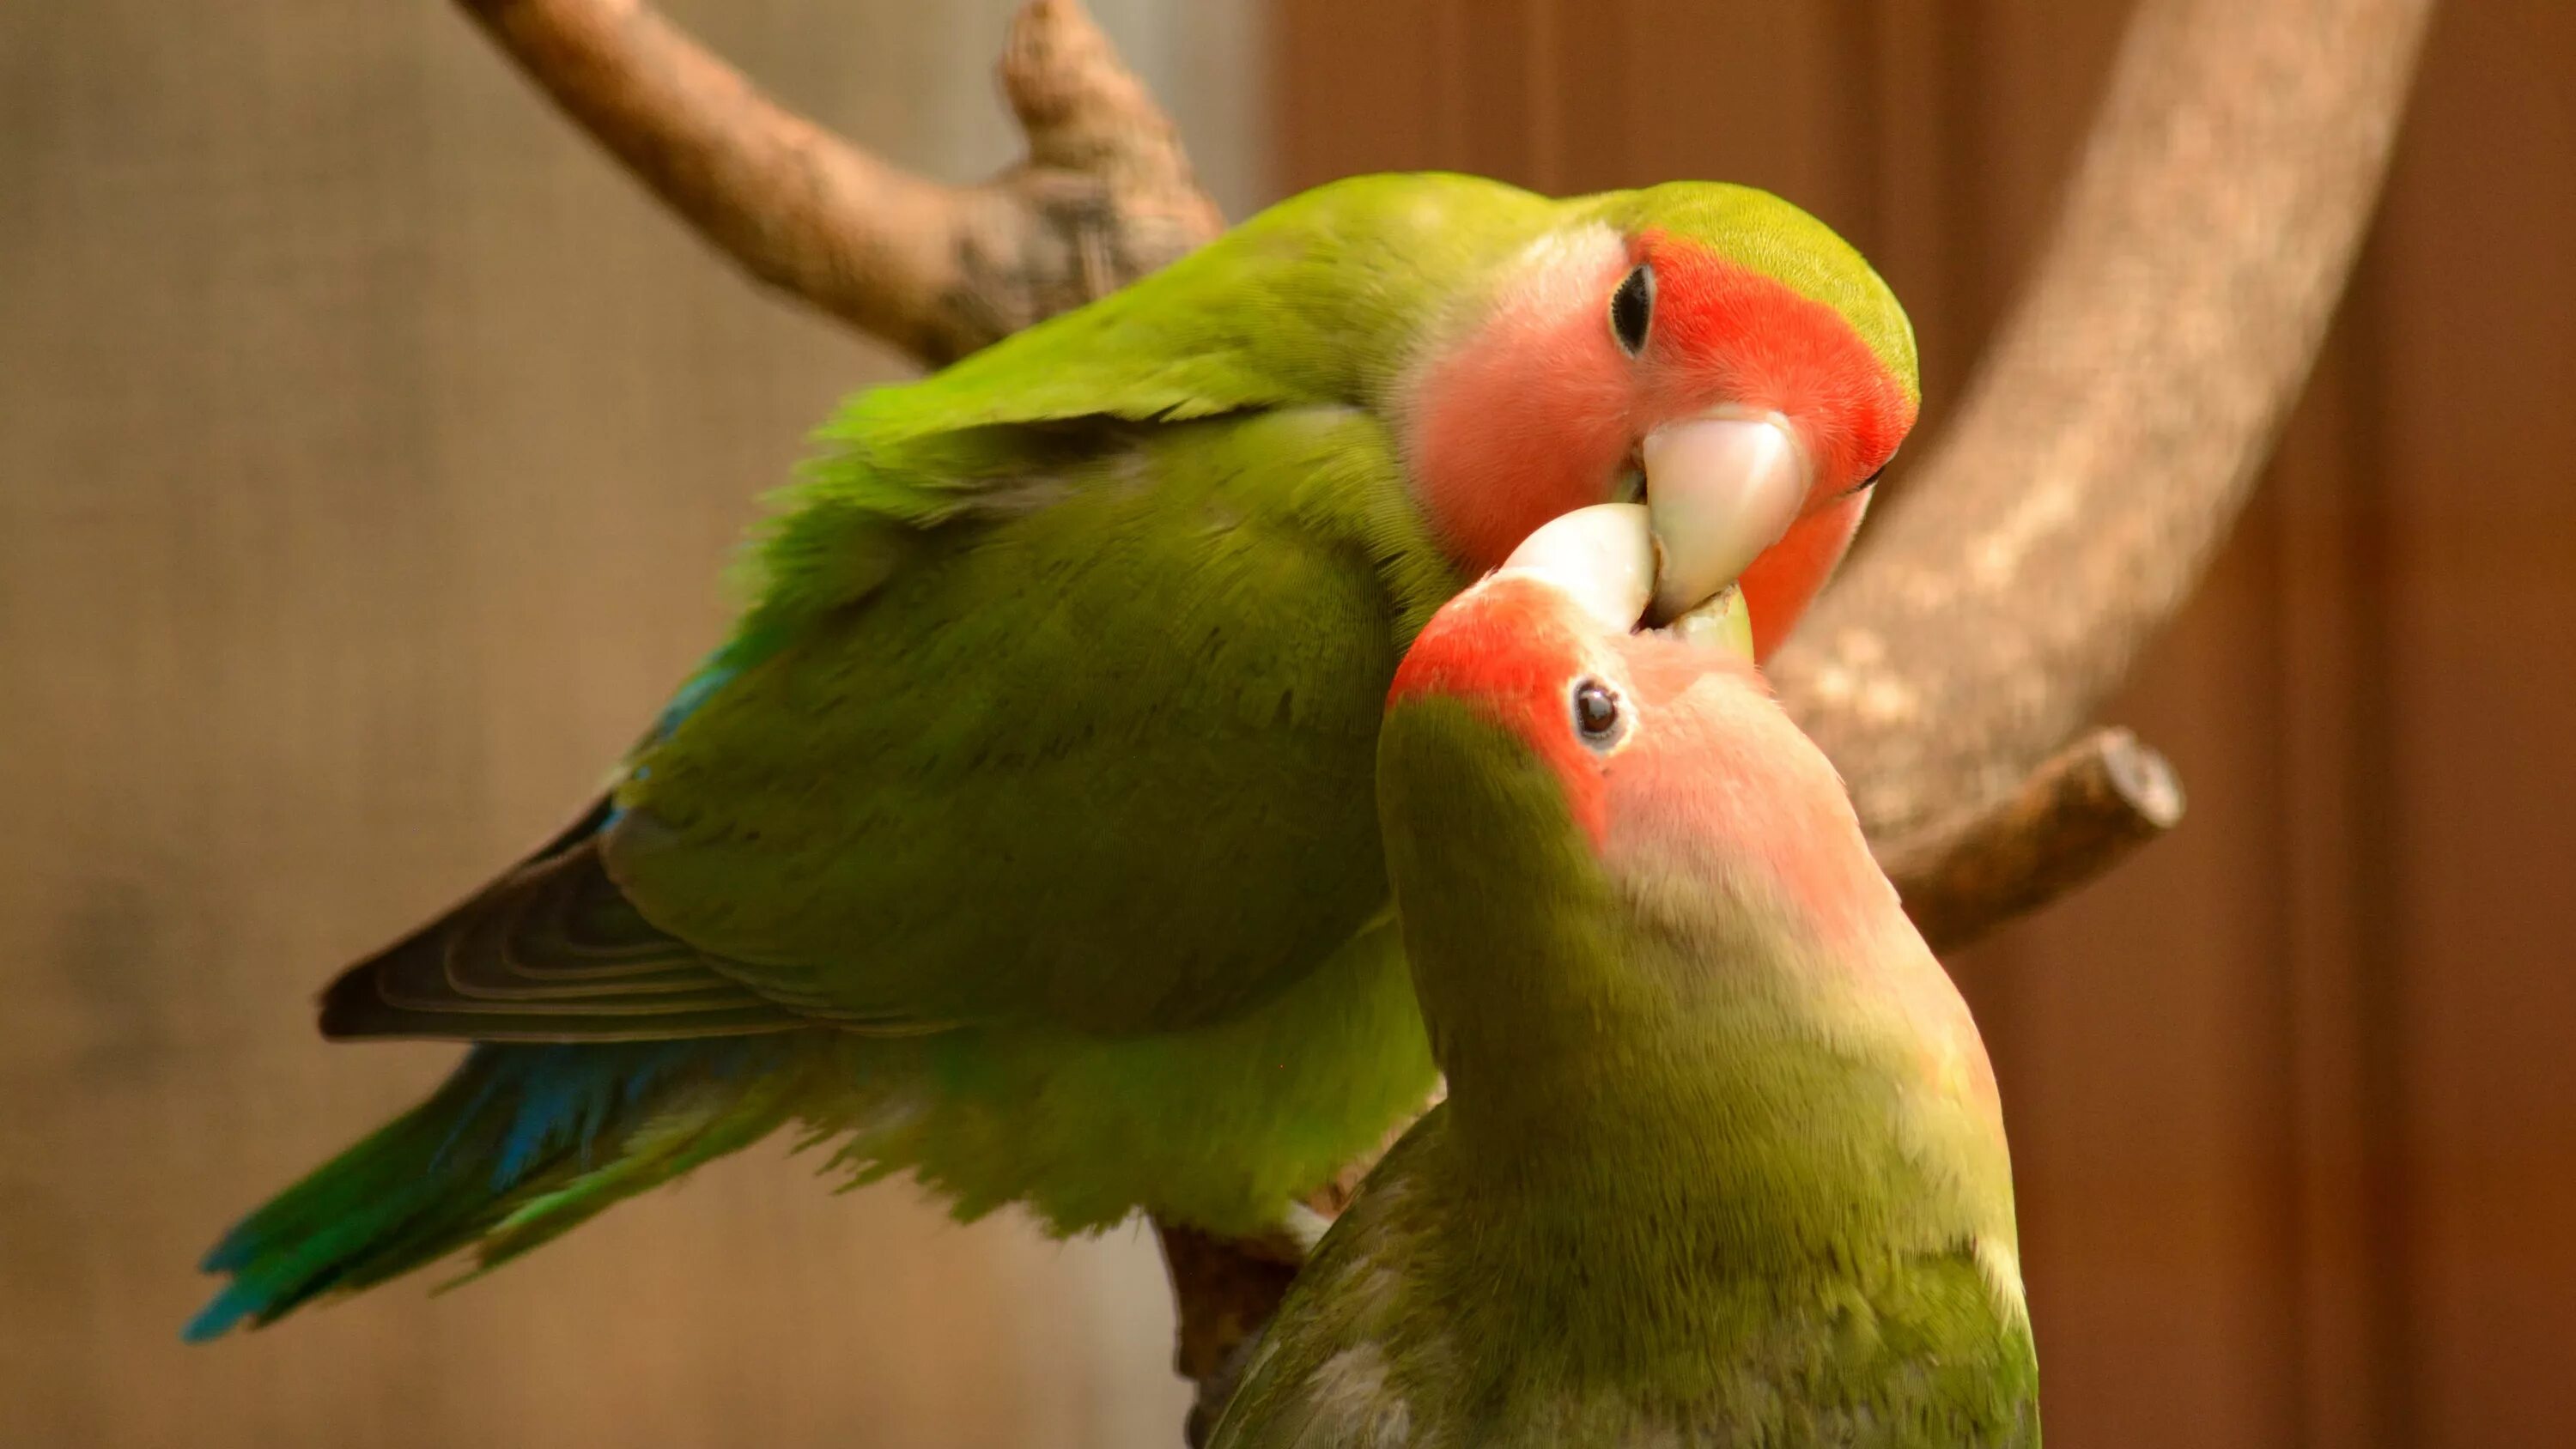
<point>1721,1161</point>
<point>1022,834</point>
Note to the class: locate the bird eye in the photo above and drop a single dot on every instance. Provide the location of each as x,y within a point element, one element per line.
<point>1596,713</point>
<point>1632,307</point>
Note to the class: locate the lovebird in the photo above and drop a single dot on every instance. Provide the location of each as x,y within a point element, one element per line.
<point>1021,834</point>
<point>1722,1161</point>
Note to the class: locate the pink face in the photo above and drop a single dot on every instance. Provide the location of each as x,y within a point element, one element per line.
<point>1659,745</point>
<point>1683,769</point>
<point>1602,340</point>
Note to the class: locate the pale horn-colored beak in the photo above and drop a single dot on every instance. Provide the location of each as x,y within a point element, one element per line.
<point>1604,556</point>
<point>1720,489</point>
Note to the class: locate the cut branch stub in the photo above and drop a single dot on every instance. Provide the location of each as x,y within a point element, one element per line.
<point>1105,196</point>
<point>2079,813</point>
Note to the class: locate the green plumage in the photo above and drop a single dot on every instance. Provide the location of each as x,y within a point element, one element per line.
<point>1703,1178</point>
<point>1048,720</point>
<point>521,1144</point>
<point>1022,832</point>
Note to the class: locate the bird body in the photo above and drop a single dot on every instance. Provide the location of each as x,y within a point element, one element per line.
<point>1722,1161</point>
<point>1020,836</point>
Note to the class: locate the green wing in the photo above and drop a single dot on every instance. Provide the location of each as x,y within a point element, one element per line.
<point>1318,302</point>
<point>1318,299</point>
<point>1096,752</point>
<point>1076,644</point>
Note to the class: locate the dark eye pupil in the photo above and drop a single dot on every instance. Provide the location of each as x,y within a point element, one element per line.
<point>1596,709</point>
<point>1631,308</point>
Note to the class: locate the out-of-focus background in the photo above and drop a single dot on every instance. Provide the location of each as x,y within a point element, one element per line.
<point>369,448</point>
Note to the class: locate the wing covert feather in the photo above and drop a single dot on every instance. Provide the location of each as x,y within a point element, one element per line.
<point>1104,761</point>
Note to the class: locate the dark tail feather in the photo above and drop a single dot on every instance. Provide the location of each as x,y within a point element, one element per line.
<point>551,951</point>
<point>522,1143</point>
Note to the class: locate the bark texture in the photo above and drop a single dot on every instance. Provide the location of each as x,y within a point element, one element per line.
<point>2119,422</point>
<point>1104,196</point>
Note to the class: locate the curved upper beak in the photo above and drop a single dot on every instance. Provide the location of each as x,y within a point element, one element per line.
<point>1720,489</point>
<point>1603,556</point>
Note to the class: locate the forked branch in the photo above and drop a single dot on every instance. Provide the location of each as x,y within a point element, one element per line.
<point>1105,195</point>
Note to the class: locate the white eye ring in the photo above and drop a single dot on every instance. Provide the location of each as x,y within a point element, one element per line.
<point>1599,716</point>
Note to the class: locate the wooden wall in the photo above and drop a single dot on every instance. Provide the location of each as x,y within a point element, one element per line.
<point>2293,1097</point>
<point>368,452</point>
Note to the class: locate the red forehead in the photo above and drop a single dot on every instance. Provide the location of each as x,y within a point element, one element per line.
<point>1722,329</point>
<point>1711,759</point>
<point>1505,639</point>
<point>1508,647</point>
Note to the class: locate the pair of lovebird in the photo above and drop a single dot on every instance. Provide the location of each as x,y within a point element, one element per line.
<point>1158,746</point>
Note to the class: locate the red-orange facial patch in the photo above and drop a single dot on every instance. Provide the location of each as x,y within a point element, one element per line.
<point>1508,646</point>
<point>1724,332</point>
<point>1537,412</point>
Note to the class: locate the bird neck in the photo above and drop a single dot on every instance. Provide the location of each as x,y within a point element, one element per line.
<point>1777,1091</point>
<point>1772,1124</point>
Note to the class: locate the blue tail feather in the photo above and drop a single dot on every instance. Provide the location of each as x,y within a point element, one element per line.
<point>513,1125</point>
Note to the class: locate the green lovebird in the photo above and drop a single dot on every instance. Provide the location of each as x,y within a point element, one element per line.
<point>1721,1161</point>
<point>1022,834</point>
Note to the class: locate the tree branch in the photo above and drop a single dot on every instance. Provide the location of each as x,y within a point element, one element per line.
<point>2110,438</point>
<point>2079,813</point>
<point>1105,196</point>
<point>1223,1293</point>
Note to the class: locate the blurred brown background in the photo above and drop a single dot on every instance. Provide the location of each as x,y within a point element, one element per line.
<point>2292,1095</point>
<point>368,449</point>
